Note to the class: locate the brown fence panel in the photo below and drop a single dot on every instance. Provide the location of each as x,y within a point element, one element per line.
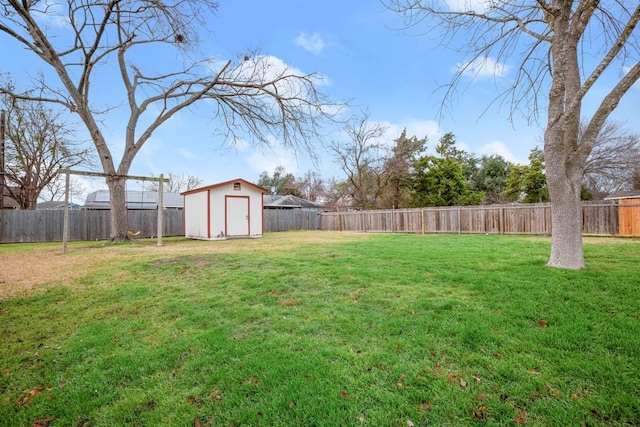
<point>291,219</point>
<point>480,220</point>
<point>408,220</point>
<point>527,219</point>
<point>47,225</point>
<point>606,218</point>
<point>600,218</point>
<point>629,217</point>
<point>597,218</point>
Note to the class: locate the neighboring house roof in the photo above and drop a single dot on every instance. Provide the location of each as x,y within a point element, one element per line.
<point>55,205</point>
<point>627,194</point>
<point>134,200</point>
<point>222,184</point>
<point>289,202</point>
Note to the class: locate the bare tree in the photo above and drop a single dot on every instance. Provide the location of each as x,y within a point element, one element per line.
<point>254,95</point>
<point>38,144</point>
<point>312,186</point>
<point>549,39</point>
<point>362,159</point>
<point>177,183</point>
<point>337,195</point>
<point>54,191</point>
<point>615,156</point>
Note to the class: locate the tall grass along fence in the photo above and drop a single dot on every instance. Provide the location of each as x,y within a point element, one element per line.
<point>47,225</point>
<point>605,218</point>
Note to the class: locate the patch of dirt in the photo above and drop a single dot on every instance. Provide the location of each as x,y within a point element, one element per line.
<point>26,272</point>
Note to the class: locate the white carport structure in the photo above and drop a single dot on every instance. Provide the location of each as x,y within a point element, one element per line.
<point>228,209</point>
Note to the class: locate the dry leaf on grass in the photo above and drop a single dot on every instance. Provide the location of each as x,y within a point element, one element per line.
<point>480,413</point>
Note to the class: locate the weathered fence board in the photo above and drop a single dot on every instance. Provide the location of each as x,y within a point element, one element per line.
<point>290,219</point>
<point>47,226</point>
<point>602,218</point>
<point>597,218</point>
<point>629,217</point>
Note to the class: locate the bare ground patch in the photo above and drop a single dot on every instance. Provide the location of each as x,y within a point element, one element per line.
<point>42,267</point>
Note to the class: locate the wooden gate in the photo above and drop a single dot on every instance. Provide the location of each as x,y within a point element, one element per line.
<point>629,217</point>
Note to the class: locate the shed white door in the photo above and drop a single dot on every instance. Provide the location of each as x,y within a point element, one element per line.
<point>237,216</point>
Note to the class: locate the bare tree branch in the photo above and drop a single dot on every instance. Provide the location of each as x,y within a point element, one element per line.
<point>256,97</point>
<point>549,40</point>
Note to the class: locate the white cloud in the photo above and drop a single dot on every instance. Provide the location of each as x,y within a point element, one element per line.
<point>469,5</point>
<point>87,185</point>
<point>265,68</point>
<point>482,67</point>
<point>498,147</point>
<point>311,42</point>
<point>417,128</point>
<point>241,144</point>
<point>188,154</point>
<point>52,13</point>
<point>269,160</point>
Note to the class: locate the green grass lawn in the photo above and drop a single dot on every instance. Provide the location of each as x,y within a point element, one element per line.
<point>379,330</point>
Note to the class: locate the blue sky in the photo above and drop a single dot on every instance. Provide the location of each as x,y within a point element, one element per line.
<point>365,57</point>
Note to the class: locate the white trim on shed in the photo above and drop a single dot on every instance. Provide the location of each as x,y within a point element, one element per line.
<point>229,209</point>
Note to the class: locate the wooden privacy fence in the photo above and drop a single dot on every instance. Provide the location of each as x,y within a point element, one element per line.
<point>47,225</point>
<point>291,219</point>
<point>597,218</point>
<point>605,218</point>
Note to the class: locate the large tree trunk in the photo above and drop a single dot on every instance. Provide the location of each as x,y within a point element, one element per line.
<point>563,160</point>
<point>118,209</point>
<point>565,170</point>
<point>564,180</point>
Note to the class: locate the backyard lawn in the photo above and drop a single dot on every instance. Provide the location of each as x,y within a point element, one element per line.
<point>320,329</point>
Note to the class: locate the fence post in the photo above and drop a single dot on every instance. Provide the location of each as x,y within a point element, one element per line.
<point>364,222</point>
<point>65,221</point>
<point>459,223</point>
<point>392,219</point>
<point>160,209</point>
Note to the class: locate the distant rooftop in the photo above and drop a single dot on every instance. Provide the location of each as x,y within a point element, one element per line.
<point>627,194</point>
<point>134,200</point>
<point>289,202</point>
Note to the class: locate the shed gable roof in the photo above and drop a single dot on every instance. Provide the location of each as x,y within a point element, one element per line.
<point>224,184</point>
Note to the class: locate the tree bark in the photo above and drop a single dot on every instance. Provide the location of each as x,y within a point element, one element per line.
<point>564,165</point>
<point>118,215</point>
<point>564,180</point>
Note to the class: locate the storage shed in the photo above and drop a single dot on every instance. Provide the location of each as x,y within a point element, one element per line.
<point>228,209</point>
